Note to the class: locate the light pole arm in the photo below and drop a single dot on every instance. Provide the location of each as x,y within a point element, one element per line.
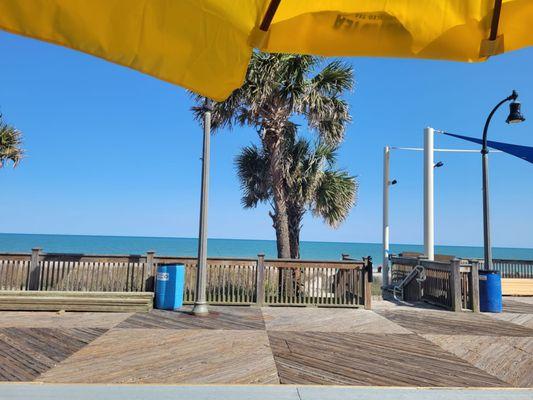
<point>513,96</point>
<point>487,244</point>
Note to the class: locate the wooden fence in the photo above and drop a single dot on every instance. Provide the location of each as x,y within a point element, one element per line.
<point>517,275</point>
<point>453,285</point>
<point>519,269</point>
<point>344,283</point>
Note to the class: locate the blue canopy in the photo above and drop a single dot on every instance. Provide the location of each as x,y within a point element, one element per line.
<point>523,152</point>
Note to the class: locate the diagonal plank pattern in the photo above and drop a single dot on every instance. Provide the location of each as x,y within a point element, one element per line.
<point>43,319</point>
<point>369,359</point>
<point>517,306</point>
<point>328,320</point>
<point>393,345</point>
<point>27,352</point>
<point>450,323</point>
<point>520,319</point>
<point>232,318</point>
<point>508,358</point>
<point>171,356</point>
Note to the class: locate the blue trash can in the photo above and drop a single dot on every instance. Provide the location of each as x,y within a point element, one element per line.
<point>169,284</point>
<point>490,291</point>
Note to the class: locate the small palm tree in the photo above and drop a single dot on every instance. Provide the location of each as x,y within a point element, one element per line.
<point>311,182</point>
<point>10,144</point>
<point>278,87</point>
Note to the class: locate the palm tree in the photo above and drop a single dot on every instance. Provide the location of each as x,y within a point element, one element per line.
<point>278,87</point>
<point>311,182</point>
<point>10,144</point>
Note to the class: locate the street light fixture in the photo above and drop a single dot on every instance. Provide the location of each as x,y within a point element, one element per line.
<point>515,116</point>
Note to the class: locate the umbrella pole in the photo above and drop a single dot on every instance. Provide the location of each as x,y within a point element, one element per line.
<point>200,305</point>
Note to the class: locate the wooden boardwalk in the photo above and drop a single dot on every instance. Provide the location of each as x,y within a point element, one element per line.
<point>28,352</point>
<point>392,346</point>
<point>342,358</point>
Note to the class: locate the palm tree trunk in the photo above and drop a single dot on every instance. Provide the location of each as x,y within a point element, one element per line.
<point>282,225</point>
<point>272,143</point>
<point>295,221</point>
<point>295,224</point>
<point>275,226</point>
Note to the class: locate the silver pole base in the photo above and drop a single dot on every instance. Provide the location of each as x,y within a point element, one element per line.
<point>200,309</point>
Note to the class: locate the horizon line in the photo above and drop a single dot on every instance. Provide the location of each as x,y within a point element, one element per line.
<point>260,240</point>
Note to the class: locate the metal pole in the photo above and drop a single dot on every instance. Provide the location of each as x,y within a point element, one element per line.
<point>429,230</point>
<point>487,245</point>
<point>486,211</point>
<point>386,184</point>
<point>200,305</point>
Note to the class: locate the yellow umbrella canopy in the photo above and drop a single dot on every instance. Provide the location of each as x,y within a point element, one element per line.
<point>205,45</point>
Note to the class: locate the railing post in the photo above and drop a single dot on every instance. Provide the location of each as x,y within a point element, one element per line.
<point>367,276</point>
<point>260,280</point>
<point>34,274</point>
<point>149,274</point>
<point>474,286</point>
<point>455,284</point>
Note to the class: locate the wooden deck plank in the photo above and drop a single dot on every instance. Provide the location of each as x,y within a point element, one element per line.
<point>44,319</point>
<point>27,352</point>
<point>517,306</point>
<point>342,358</point>
<point>447,323</point>
<point>232,318</point>
<point>171,356</point>
<point>508,358</point>
<point>252,345</point>
<point>328,320</point>
<point>515,318</point>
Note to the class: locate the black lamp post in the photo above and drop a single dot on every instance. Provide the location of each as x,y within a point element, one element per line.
<point>515,116</point>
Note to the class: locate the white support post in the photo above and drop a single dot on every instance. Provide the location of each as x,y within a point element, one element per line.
<point>429,229</point>
<point>386,184</point>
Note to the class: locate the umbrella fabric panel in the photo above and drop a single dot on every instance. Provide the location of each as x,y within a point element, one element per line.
<point>200,45</point>
<point>436,29</point>
<point>205,45</point>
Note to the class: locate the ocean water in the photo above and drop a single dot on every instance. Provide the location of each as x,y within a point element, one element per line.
<point>14,243</point>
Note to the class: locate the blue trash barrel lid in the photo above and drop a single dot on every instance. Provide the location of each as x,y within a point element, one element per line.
<point>488,271</point>
<point>170,264</point>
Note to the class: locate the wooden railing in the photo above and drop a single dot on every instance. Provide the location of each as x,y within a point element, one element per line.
<point>303,282</point>
<point>517,269</point>
<point>235,281</point>
<point>453,285</point>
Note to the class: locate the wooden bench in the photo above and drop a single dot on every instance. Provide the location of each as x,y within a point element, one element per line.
<point>517,287</point>
<point>76,301</point>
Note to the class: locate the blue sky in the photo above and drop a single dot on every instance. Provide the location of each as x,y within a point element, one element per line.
<point>112,151</point>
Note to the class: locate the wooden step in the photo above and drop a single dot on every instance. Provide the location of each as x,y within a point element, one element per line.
<point>76,301</point>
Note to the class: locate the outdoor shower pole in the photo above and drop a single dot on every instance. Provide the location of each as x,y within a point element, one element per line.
<point>429,229</point>
<point>200,304</point>
<point>386,184</point>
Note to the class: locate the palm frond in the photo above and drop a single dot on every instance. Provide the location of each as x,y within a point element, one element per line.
<point>328,116</point>
<point>252,170</point>
<point>334,79</point>
<point>10,144</point>
<point>335,196</point>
